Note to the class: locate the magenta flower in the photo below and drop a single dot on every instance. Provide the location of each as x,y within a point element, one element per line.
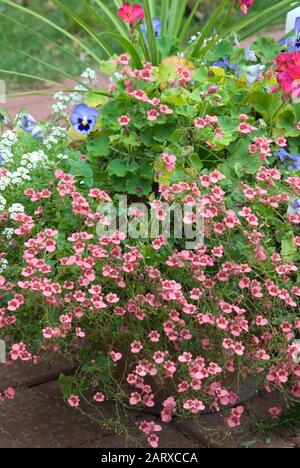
<point>245,4</point>
<point>131,13</point>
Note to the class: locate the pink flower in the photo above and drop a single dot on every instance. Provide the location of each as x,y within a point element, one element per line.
<point>235,417</point>
<point>245,4</point>
<point>165,109</point>
<point>124,120</point>
<point>116,356</point>
<point>170,161</point>
<point>136,347</point>
<point>246,128</point>
<point>153,440</point>
<point>152,115</point>
<point>194,406</point>
<point>130,14</point>
<point>74,401</point>
<point>200,123</point>
<point>275,412</point>
<point>99,397</point>
<point>10,393</point>
<point>79,332</point>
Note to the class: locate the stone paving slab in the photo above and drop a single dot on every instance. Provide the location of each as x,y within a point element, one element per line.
<point>38,418</point>
<point>28,374</point>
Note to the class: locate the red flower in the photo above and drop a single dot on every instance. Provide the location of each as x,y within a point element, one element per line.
<point>288,68</point>
<point>131,13</point>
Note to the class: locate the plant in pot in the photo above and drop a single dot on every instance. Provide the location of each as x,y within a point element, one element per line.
<point>204,142</point>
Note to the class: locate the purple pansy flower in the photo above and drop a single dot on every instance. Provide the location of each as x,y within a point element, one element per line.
<point>291,160</point>
<point>156,26</point>
<point>84,118</point>
<point>30,125</point>
<point>225,64</point>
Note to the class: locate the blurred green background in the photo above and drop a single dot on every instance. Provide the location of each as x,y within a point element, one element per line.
<point>21,34</point>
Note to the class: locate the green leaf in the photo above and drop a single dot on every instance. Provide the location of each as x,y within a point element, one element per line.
<point>114,18</point>
<point>151,38</point>
<point>209,26</point>
<point>200,75</point>
<point>95,99</point>
<point>164,132</point>
<point>108,66</point>
<point>117,167</point>
<point>136,185</point>
<point>120,168</point>
<point>109,114</point>
<point>80,168</point>
<point>288,248</point>
<point>127,46</point>
<point>267,104</point>
<point>42,18</point>
<point>176,96</point>
<point>195,162</point>
<point>188,21</point>
<point>240,162</point>
<point>98,146</point>
<point>167,45</point>
<point>222,49</point>
<point>187,111</point>
<point>65,384</point>
<point>166,73</point>
<point>266,48</point>
<point>106,48</point>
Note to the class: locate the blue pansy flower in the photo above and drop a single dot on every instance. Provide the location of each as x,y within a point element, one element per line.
<point>84,118</point>
<point>30,125</point>
<point>156,26</point>
<point>225,64</point>
<point>291,160</point>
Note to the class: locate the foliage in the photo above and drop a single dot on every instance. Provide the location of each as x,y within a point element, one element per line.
<point>150,319</point>
<point>49,32</point>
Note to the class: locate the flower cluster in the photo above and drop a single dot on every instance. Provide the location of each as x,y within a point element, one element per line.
<point>288,68</point>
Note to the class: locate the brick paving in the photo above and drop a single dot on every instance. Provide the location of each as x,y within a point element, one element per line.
<point>38,418</point>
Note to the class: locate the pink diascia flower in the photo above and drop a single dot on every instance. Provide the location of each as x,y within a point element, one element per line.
<point>275,411</point>
<point>152,115</point>
<point>99,397</point>
<point>169,160</point>
<point>74,401</point>
<point>124,120</point>
<point>10,393</point>
<point>131,13</point>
